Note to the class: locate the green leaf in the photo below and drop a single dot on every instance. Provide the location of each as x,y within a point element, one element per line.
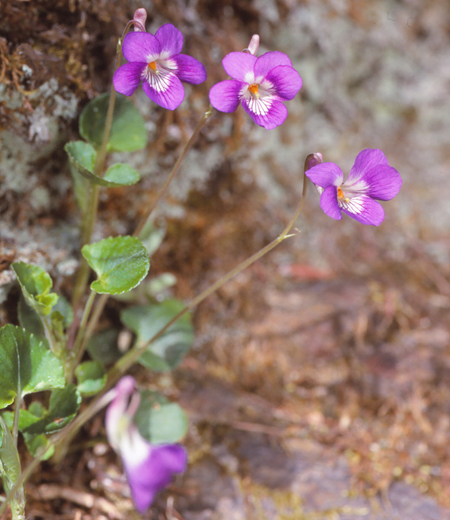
<point>29,319</point>
<point>27,365</point>
<point>9,458</point>
<point>82,187</point>
<point>121,174</point>
<point>63,406</point>
<point>160,283</point>
<point>120,264</point>
<point>103,347</point>
<point>151,237</point>
<point>160,421</point>
<point>35,284</point>
<point>35,443</point>
<point>168,350</point>
<point>91,377</point>
<point>64,308</point>
<point>82,158</point>
<point>128,131</point>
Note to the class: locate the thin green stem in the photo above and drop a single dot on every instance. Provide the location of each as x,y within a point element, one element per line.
<point>49,335</point>
<point>78,350</point>
<point>94,319</point>
<point>174,171</point>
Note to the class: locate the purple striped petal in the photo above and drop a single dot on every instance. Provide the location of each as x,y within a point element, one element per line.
<point>286,81</point>
<point>329,203</point>
<point>154,473</point>
<point>239,65</point>
<point>268,61</point>
<point>365,161</point>
<point>128,77</point>
<point>141,46</point>
<point>225,96</point>
<point>326,174</point>
<point>365,210</point>
<point>189,69</point>
<point>171,40</point>
<point>270,115</point>
<point>384,182</point>
<point>169,94</point>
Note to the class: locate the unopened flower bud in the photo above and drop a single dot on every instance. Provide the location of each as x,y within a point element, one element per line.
<point>313,159</point>
<point>139,19</point>
<point>253,45</point>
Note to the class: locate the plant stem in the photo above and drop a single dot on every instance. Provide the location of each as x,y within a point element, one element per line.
<point>78,350</point>
<point>175,169</point>
<point>49,336</point>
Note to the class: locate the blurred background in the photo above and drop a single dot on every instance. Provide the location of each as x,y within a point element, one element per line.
<point>319,382</point>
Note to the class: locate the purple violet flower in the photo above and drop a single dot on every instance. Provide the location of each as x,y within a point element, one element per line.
<point>370,179</point>
<point>259,84</point>
<point>148,468</point>
<point>157,63</point>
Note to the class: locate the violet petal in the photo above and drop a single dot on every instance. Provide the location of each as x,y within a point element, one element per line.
<point>286,81</point>
<point>364,209</point>
<point>325,174</point>
<point>365,161</point>
<point>225,96</point>
<point>268,61</point>
<point>141,46</point>
<point>239,65</point>
<point>167,94</point>
<point>329,203</point>
<point>274,113</point>
<point>384,182</point>
<point>154,473</point>
<point>128,77</point>
<point>171,40</point>
<point>189,69</point>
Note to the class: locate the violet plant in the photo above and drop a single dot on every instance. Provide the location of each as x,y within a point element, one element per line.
<point>56,349</point>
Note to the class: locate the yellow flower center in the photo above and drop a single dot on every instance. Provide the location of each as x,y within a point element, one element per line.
<point>254,89</point>
<point>341,195</point>
<point>152,65</point>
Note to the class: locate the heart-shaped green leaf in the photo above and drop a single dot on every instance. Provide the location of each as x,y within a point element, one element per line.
<point>35,284</point>
<point>82,158</point>
<point>63,406</point>
<point>27,365</point>
<point>168,350</point>
<point>128,131</point>
<point>160,421</point>
<point>81,155</point>
<point>119,262</point>
<point>91,377</point>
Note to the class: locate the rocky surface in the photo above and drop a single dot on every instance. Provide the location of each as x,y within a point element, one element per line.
<point>318,388</point>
